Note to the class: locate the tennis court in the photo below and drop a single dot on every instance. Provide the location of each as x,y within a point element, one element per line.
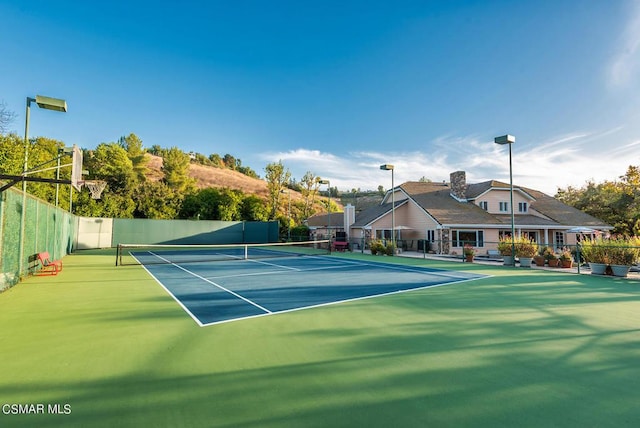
<point>515,348</point>
<point>217,284</point>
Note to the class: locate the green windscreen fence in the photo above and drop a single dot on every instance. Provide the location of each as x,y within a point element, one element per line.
<point>147,231</point>
<point>45,228</point>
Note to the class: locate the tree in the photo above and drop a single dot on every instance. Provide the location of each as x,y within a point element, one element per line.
<point>6,118</point>
<point>133,145</point>
<point>156,200</point>
<point>175,166</point>
<point>254,209</point>
<point>216,160</point>
<point>229,161</point>
<point>111,162</point>
<point>309,189</point>
<point>615,202</point>
<point>11,154</point>
<point>276,177</point>
<point>156,150</point>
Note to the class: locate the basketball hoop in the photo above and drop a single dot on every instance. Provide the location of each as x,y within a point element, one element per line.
<point>95,187</point>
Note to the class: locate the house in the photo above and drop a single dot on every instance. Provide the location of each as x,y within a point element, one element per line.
<point>323,225</point>
<point>442,217</point>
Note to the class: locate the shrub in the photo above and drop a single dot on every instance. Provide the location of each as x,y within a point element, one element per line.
<point>376,246</point>
<point>504,246</point>
<point>526,247</point>
<point>615,251</point>
<point>389,249</point>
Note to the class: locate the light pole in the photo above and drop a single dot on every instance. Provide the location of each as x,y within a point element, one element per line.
<point>389,167</point>
<point>288,215</point>
<point>509,140</point>
<point>328,207</point>
<point>45,103</point>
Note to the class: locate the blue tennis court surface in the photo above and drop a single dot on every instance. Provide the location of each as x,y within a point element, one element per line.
<point>222,291</point>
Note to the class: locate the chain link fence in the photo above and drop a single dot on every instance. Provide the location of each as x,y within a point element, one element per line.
<point>45,228</point>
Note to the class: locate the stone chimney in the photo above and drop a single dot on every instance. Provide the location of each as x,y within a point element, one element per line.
<point>458,185</point>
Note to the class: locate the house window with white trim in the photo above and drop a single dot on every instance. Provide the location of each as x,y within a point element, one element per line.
<point>559,241</point>
<point>460,238</point>
<point>484,205</point>
<point>522,207</point>
<point>504,207</point>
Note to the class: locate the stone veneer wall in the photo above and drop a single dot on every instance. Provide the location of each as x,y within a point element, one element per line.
<point>458,184</point>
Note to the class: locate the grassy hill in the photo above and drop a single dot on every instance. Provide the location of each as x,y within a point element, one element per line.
<point>208,176</point>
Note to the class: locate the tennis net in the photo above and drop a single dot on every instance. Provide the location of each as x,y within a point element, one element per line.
<point>142,254</point>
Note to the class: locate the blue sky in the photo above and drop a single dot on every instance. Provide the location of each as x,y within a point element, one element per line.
<point>340,87</point>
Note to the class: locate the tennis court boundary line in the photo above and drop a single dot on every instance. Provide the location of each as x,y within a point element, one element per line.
<point>372,296</point>
<point>345,261</point>
<point>195,318</point>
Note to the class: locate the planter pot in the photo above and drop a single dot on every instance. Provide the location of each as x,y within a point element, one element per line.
<point>507,260</point>
<point>469,258</point>
<point>553,262</point>
<point>620,270</point>
<point>525,261</point>
<point>566,263</point>
<point>598,268</point>
<point>538,260</point>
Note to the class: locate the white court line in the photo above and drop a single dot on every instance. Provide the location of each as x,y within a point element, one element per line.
<point>372,296</point>
<point>390,266</point>
<point>273,264</point>
<point>216,285</point>
<point>354,263</point>
<point>417,269</point>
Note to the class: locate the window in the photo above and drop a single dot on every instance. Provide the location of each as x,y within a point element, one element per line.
<point>504,206</point>
<point>484,205</point>
<point>522,207</point>
<point>460,238</point>
<point>431,235</point>
<point>559,242</point>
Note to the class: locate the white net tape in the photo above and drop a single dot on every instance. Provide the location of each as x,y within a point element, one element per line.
<point>95,187</point>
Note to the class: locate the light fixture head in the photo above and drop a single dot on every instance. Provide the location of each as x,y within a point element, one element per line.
<point>51,103</point>
<point>386,167</point>
<point>505,139</point>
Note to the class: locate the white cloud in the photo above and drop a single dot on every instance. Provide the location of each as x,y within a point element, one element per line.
<point>625,63</point>
<point>558,162</point>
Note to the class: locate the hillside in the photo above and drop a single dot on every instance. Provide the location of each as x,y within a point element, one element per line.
<point>208,176</point>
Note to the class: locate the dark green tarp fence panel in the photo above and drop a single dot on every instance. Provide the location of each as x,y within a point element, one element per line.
<point>147,231</point>
<point>46,228</point>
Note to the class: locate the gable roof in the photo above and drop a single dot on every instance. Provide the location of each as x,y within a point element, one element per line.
<point>436,200</point>
<point>320,220</point>
<point>370,215</point>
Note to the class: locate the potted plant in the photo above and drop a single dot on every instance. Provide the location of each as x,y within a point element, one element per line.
<point>469,252</point>
<point>594,252</point>
<point>550,256</point>
<point>566,260</point>
<point>504,248</point>
<point>622,254</point>
<point>526,249</point>
<point>376,247</point>
<point>539,259</point>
